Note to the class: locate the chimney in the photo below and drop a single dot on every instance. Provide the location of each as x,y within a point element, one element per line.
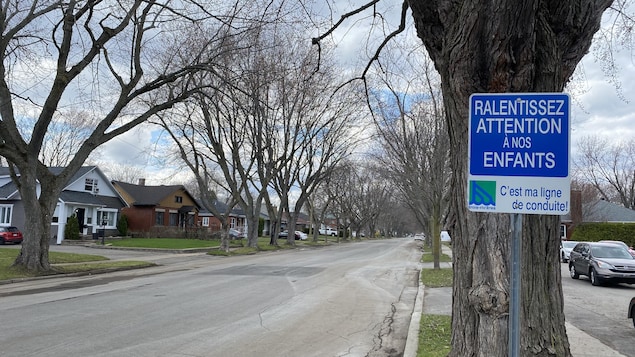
<point>142,182</point>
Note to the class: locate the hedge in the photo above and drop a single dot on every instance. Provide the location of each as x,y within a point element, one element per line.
<point>593,232</point>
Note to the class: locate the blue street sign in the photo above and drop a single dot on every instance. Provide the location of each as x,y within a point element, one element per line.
<point>519,146</point>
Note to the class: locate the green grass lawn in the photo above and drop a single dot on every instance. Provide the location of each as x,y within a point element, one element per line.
<point>163,243</point>
<point>427,257</point>
<point>435,330</point>
<point>434,336</point>
<point>436,278</point>
<point>70,263</point>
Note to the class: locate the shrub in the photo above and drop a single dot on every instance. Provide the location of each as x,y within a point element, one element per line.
<point>71,230</point>
<point>261,226</point>
<point>593,232</point>
<point>122,225</point>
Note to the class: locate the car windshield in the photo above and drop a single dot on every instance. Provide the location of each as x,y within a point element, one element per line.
<point>569,244</point>
<point>611,252</point>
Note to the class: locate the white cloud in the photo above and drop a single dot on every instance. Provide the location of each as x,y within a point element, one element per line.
<point>142,147</point>
<point>603,108</point>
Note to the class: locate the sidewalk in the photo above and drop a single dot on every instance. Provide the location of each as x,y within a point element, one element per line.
<point>439,301</point>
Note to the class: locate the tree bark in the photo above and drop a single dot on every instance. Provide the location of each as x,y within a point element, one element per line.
<point>34,251</point>
<point>503,46</point>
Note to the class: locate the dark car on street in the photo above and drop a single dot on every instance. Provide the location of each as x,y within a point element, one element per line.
<point>10,235</point>
<point>602,263</point>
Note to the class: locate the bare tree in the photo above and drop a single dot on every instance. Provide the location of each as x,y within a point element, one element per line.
<point>65,134</point>
<point>242,126</point>
<point>415,144</point>
<point>609,166</point>
<point>124,172</point>
<point>318,205</point>
<point>480,47</point>
<point>372,202</point>
<point>315,131</point>
<point>98,55</point>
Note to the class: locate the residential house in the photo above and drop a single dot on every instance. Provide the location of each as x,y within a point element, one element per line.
<point>156,209</point>
<point>605,211</point>
<point>596,211</point>
<point>301,223</point>
<point>88,194</point>
<point>236,218</point>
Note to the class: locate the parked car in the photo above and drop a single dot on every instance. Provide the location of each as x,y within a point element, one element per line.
<point>298,235</point>
<point>565,249</point>
<point>631,310</point>
<point>420,236</point>
<point>602,262</point>
<point>328,232</point>
<point>236,234</point>
<point>630,250</point>
<point>10,235</point>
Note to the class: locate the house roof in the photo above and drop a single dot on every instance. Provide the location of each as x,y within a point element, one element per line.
<point>4,171</point>
<point>8,190</point>
<point>605,211</point>
<point>220,207</point>
<point>148,195</point>
<point>88,198</point>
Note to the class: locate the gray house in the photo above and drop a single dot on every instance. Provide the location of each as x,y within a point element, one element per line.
<point>88,194</point>
<point>598,211</point>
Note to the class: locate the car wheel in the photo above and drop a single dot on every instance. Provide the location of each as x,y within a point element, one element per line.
<point>574,274</point>
<point>562,258</point>
<point>595,281</point>
<point>1,241</point>
<point>633,315</point>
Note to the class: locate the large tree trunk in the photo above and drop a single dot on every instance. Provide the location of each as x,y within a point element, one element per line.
<point>502,46</point>
<point>34,254</point>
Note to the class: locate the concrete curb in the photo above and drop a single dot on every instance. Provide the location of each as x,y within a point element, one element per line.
<point>412,340</point>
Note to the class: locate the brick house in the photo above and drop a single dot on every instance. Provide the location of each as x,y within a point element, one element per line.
<point>158,210</point>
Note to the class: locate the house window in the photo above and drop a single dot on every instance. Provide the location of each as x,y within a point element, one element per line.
<point>178,199</point>
<point>159,218</point>
<point>5,214</point>
<point>563,231</point>
<point>106,218</point>
<point>91,185</point>
<point>232,222</point>
<point>205,221</point>
<point>174,219</point>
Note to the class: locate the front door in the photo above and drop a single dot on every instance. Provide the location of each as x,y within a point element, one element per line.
<point>81,212</point>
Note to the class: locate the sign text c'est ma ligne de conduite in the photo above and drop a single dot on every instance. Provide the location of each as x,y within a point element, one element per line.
<point>519,146</point>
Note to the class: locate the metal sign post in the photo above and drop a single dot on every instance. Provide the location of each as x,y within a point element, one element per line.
<point>514,303</point>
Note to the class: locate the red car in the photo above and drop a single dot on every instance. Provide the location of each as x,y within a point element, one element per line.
<point>10,235</point>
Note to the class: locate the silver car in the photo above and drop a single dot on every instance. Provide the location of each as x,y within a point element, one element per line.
<point>602,262</point>
<point>566,246</point>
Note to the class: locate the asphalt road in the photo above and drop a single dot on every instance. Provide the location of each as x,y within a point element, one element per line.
<point>351,299</point>
<point>600,311</point>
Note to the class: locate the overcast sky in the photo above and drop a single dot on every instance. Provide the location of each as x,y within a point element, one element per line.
<point>598,108</point>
